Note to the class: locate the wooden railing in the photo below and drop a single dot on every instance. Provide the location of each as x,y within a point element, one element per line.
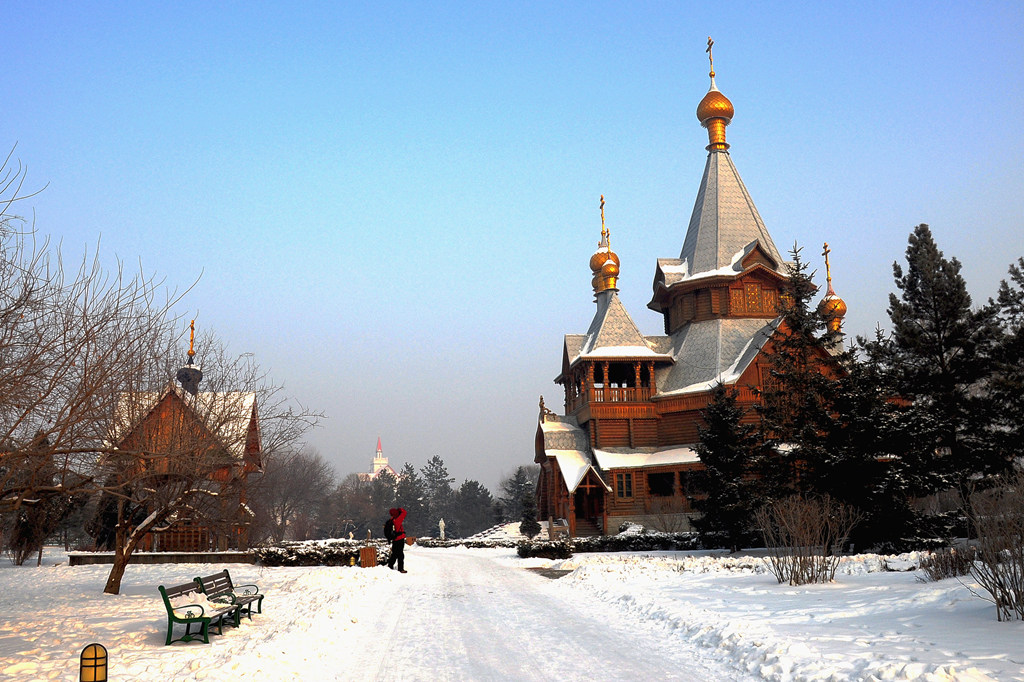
<point>611,394</point>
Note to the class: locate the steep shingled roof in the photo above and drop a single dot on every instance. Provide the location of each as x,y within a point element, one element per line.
<point>724,221</point>
<point>613,333</point>
<point>713,351</point>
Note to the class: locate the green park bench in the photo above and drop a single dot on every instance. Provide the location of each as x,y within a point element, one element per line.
<point>195,614</point>
<point>218,587</point>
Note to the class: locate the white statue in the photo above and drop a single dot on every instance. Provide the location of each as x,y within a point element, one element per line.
<point>440,526</point>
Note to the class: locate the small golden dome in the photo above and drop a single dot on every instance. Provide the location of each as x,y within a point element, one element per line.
<point>602,256</point>
<point>610,268</point>
<point>714,105</point>
<point>832,306</point>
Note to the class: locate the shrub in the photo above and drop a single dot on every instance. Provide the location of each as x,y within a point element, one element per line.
<point>545,549</point>
<point>329,553</point>
<point>948,562</point>
<point>802,535</point>
<point>998,519</point>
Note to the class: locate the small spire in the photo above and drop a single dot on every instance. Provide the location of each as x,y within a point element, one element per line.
<point>605,241</point>
<point>189,376</point>
<point>828,269</point>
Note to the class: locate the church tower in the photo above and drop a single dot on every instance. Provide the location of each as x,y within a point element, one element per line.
<point>624,449</point>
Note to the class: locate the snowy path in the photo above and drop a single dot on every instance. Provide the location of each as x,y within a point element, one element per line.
<point>462,616</point>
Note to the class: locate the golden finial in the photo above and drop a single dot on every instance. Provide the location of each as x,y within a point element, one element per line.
<point>192,339</point>
<point>828,270</point>
<point>604,231</point>
<point>711,59</point>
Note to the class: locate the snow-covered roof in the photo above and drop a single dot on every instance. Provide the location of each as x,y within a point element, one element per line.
<point>573,464</point>
<point>612,334</point>
<point>632,459</point>
<point>227,414</point>
<point>713,351</point>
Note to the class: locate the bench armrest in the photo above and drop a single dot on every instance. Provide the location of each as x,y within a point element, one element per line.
<point>188,611</point>
<point>246,590</point>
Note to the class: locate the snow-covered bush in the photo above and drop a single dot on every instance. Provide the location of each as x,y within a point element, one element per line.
<point>648,542</point>
<point>472,544</point>
<point>319,553</point>
<point>545,549</point>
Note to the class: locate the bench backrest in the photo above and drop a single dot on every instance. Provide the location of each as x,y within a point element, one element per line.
<point>170,593</point>
<point>216,583</point>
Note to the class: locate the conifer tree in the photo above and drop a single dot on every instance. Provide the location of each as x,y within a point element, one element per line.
<point>731,452</point>
<point>471,512</point>
<point>438,486</point>
<point>529,525</point>
<point>942,359</point>
<point>1007,387</point>
<point>410,494</point>
<point>796,405</point>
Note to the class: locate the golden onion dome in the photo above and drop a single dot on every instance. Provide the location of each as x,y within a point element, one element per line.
<point>832,306</point>
<point>714,105</point>
<point>602,256</point>
<point>610,268</point>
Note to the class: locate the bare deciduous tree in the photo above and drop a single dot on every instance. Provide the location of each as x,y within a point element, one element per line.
<point>70,340</point>
<point>998,518</point>
<point>293,485</point>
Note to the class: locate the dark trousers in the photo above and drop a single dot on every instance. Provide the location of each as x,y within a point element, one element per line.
<point>397,554</point>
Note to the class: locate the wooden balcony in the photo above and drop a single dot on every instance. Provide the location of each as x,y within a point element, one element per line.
<point>610,394</point>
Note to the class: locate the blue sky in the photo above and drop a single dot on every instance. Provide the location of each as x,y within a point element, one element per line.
<point>392,207</point>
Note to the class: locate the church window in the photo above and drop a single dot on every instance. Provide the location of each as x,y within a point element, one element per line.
<point>660,485</point>
<point>624,485</point>
<point>753,291</point>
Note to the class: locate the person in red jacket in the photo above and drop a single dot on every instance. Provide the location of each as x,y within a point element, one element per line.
<point>398,540</point>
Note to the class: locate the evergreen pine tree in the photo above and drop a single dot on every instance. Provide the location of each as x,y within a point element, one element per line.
<point>439,493</point>
<point>875,451</point>
<point>471,510</point>
<point>796,405</point>
<point>1007,389</point>
<point>411,496</point>
<point>731,453</point>
<point>942,353</point>
<point>529,526</point>
<point>514,488</point>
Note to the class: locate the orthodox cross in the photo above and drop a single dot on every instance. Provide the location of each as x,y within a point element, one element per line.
<point>192,339</point>
<point>828,270</point>
<point>710,57</point>
<point>604,232</point>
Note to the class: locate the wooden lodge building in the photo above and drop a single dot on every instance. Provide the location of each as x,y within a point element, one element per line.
<point>214,438</point>
<point>623,450</point>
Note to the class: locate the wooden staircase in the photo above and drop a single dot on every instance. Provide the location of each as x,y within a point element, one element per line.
<point>585,528</point>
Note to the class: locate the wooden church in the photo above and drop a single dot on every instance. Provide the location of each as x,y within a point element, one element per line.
<point>205,439</point>
<point>623,450</point>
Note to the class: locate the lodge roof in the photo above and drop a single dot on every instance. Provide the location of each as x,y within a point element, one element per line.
<point>226,414</point>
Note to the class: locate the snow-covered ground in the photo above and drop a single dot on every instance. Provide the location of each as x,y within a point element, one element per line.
<point>462,614</point>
